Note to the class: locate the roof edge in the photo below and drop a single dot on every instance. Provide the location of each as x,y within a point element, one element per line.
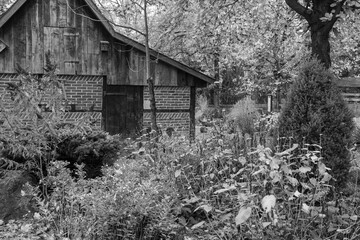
<point>142,48</point>
<point>105,22</point>
<point>10,12</point>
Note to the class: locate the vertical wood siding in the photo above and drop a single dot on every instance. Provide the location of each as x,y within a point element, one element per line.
<point>66,31</point>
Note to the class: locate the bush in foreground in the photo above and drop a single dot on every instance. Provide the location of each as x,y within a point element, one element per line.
<point>315,113</point>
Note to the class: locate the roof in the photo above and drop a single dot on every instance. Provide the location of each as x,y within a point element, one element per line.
<point>105,22</point>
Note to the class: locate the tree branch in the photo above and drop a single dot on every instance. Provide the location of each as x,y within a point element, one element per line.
<point>300,9</point>
<point>228,4</point>
<point>338,8</point>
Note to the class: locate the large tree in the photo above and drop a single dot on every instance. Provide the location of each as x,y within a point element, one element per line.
<point>321,16</point>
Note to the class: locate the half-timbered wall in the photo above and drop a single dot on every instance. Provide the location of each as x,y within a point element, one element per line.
<point>83,96</point>
<point>83,93</point>
<point>173,105</point>
<point>85,49</point>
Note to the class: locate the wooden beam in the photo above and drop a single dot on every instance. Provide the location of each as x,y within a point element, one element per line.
<point>348,82</point>
<point>10,12</point>
<point>192,113</point>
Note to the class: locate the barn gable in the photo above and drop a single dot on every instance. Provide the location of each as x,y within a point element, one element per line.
<point>97,65</point>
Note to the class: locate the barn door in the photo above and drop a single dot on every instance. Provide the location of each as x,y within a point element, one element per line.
<point>123,109</point>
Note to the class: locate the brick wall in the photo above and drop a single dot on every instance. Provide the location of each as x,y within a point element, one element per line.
<point>82,93</point>
<point>173,104</point>
<point>169,98</point>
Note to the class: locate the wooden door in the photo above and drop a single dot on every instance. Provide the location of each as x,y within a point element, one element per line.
<point>123,109</point>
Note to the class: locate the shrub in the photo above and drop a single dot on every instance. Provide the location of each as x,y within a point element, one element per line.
<point>40,137</point>
<point>316,113</point>
<point>243,114</point>
<point>94,148</point>
<point>123,204</point>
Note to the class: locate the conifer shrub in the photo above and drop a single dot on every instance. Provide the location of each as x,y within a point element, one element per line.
<point>316,113</point>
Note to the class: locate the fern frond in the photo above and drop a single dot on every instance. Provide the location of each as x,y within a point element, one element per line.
<point>7,164</point>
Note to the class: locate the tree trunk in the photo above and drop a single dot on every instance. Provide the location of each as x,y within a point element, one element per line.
<point>149,79</point>
<point>216,95</point>
<point>320,45</point>
<point>320,29</point>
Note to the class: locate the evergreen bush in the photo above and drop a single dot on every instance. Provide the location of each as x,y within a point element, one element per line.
<point>316,113</point>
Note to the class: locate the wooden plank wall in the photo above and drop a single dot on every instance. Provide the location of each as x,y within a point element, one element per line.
<point>51,26</point>
<point>129,69</point>
<point>59,28</point>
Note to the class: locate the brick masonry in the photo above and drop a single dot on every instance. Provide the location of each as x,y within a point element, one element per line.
<point>173,105</point>
<point>83,93</point>
<point>175,98</point>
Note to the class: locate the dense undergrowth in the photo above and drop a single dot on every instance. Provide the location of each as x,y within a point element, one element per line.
<point>233,182</point>
<point>173,190</point>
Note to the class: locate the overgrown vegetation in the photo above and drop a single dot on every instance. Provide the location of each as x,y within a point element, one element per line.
<point>239,180</point>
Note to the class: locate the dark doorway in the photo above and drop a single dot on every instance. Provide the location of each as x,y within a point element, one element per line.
<point>123,109</point>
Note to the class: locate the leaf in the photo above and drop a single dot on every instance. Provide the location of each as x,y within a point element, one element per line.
<point>225,217</point>
<point>292,180</point>
<point>322,168</point>
<point>261,170</point>
<point>326,178</point>
<point>305,208</point>
<point>192,200</point>
<point>265,224</point>
<point>243,215</point>
<point>242,160</point>
<point>232,187</point>
<point>199,224</point>
<point>177,173</point>
<point>297,194</point>
<point>288,151</point>
<point>26,228</point>
<point>304,169</point>
<point>206,208</point>
<point>354,217</point>
<point>268,203</point>
<point>37,216</point>
<point>313,181</point>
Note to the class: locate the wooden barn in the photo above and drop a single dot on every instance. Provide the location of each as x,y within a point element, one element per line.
<point>99,66</point>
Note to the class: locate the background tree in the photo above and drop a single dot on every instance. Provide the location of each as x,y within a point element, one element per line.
<point>321,16</point>
<point>5,4</point>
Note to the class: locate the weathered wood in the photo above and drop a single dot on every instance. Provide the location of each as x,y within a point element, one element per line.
<point>349,82</point>
<point>46,12</point>
<point>62,13</point>
<point>30,31</point>
<point>53,12</point>
<point>124,109</point>
<point>351,94</point>
<point>36,39</point>
<point>348,99</point>
<point>192,112</point>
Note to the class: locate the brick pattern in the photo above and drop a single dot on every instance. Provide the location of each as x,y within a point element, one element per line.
<point>180,122</point>
<point>169,97</point>
<point>83,92</point>
<point>93,117</point>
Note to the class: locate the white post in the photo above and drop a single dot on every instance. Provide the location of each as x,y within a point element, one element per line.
<point>269,103</point>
